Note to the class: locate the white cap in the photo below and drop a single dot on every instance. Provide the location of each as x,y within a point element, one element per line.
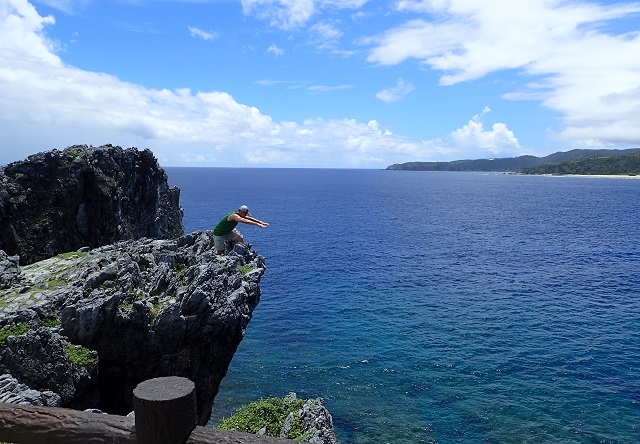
<point>244,209</point>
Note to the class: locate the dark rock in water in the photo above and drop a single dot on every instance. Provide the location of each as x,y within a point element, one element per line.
<point>133,310</point>
<point>59,201</point>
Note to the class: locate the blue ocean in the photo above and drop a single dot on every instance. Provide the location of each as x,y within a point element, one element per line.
<point>438,307</point>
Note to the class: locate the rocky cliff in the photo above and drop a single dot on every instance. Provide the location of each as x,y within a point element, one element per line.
<point>100,289</point>
<point>59,201</point>
<point>82,329</point>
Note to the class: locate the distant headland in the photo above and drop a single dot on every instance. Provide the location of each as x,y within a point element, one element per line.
<point>575,162</point>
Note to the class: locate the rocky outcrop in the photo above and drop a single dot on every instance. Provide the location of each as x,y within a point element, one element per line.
<point>9,270</point>
<point>101,290</point>
<point>316,422</point>
<point>12,392</point>
<point>59,201</point>
<point>89,326</point>
<point>42,358</point>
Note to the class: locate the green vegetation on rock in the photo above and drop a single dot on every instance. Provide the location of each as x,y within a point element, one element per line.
<point>80,355</point>
<point>181,268</point>
<point>244,269</point>
<point>51,322</point>
<point>12,330</point>
<point>55,283</point>
<point>71,255</point>
<point>269,413</point>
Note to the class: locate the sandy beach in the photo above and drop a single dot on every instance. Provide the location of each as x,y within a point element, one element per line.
<point>601,176</point>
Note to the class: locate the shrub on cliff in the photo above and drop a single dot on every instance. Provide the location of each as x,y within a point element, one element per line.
<point>269,414</point>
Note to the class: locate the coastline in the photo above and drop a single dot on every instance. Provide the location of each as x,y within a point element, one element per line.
<point>598,176</point>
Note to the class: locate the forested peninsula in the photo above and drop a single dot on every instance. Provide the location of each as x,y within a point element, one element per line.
<point>627,165</point>
<point>579,161</point>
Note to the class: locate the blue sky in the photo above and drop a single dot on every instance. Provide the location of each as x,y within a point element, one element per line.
<point>319,83</point>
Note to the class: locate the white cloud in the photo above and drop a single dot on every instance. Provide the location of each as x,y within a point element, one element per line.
<point>204,35</point>
<point>22,35</point>
<point>273,49</point>
<point>325,31</point>
<point>302,84</point>
<point>68,6</point>
<point>292,14</point>
<point>49,104</point>
<point>396,93</point>
<point>325,88</point>
<point>586,74</point>
<point>286,14</point>
<point>472,136</point>
<point>326,35</point>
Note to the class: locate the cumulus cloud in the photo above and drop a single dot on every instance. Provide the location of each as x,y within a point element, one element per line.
<point>204,35</point>
<point>577,69</point>
<point>396,93</point>
<point>49,104</point>
<point>472,136</point>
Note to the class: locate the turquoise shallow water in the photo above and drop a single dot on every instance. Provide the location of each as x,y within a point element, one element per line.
<point>439,307</point>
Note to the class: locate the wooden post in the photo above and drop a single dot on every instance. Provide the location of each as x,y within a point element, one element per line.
<point>165,410</point>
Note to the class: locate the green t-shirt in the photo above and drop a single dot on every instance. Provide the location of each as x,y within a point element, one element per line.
<point>225,226</point>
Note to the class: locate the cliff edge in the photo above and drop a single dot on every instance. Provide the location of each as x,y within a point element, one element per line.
<point>101,290</point>
<point>86,328</point>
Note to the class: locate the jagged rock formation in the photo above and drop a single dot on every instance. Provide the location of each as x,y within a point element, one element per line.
<point>138,309</point>
<point>316,420</point>
<point>40,358</point>
<point>12,392</point>
<point>59,201</point>
<point>101,290</point>
<point>9,270</point>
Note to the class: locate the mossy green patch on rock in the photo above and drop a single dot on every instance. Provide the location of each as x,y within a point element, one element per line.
<point>55,283</point>
<point>244,269</point>
<point>51,322</point>
<point>80,355</point>
<point>72,255</point>
<point>12,330</point>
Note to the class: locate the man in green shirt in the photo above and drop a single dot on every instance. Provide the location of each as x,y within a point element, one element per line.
<point>226,228</point>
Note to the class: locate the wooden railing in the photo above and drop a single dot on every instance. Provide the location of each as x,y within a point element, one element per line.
<point>165,413</point>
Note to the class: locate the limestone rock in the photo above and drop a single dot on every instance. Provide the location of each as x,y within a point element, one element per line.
<point>59,201</point>
<point>9,270</point>
<point>146,308</point>
<point>40,359</point>
<point>317,423</point>
<point>13,392</point>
